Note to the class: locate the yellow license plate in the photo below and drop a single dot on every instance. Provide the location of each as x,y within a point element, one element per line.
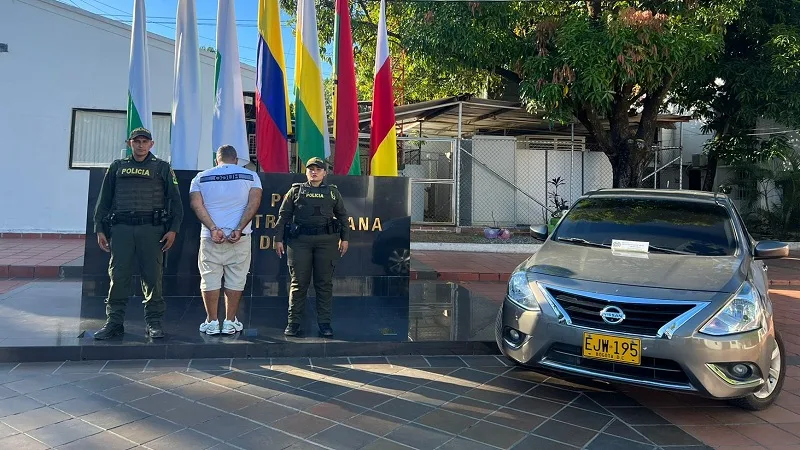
<point>612,348</point>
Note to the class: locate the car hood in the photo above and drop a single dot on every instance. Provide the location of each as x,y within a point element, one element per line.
<point>654,270</point>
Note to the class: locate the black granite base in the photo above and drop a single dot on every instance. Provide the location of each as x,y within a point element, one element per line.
<point>433,319</point>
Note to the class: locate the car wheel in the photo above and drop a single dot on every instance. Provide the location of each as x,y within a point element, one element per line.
<point>398,262</point>
<point>769,392</point>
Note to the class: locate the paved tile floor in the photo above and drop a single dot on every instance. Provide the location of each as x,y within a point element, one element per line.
<point>436,402</point>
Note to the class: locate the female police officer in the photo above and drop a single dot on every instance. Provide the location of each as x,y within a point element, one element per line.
<point>318,230</point>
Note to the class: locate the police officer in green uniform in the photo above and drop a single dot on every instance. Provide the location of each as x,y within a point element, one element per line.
<point>314,216</point>
<point>138,213</point>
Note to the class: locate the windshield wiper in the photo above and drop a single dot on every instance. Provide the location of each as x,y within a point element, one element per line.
<point>669,250</point>
<point>580,241</point>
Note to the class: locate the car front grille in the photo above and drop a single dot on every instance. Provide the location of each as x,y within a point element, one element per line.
<point>640,318</point>
<point>652,370</point>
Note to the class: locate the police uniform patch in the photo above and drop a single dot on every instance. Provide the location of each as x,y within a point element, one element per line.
<point>174,178</point>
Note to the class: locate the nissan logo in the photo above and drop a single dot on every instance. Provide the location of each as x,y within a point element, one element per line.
<point>612,315</point>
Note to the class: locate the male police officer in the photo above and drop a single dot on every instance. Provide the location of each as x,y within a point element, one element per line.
<point>137,196</point>
<point>319,230</point>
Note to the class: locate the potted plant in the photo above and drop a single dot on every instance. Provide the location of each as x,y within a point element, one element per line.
<point>559,203</point>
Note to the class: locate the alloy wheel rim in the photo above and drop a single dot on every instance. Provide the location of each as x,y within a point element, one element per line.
<point>399,261</point>
<point>774,375</point>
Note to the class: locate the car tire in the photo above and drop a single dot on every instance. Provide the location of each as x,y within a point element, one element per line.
<point>755,403</point>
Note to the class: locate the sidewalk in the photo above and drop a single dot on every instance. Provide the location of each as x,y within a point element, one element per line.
<point>22,258</point>
<point>54,257</point>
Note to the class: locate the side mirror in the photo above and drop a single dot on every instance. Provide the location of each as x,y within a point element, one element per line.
<point>540,232</point>
<point>771,250</point>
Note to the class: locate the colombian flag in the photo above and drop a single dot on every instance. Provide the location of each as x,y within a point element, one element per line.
<point>383,142</point>
<point>345,97</point>
<point>272,99</point>
<point>310,121</point>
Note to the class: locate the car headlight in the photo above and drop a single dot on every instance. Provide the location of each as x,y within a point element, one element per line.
<point>744,312</point>
<point>520,292</point>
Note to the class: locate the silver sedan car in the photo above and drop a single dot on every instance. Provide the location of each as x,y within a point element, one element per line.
<point>662,289</point>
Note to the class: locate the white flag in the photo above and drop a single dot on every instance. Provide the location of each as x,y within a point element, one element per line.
<point>229,126</point>
<point>140,113</point>
<point>186,105</point>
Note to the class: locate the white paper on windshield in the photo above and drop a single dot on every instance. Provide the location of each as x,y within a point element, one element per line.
<point>619,245</point>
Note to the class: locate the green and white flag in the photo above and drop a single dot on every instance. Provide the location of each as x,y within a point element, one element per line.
<point>228,126</point>
<point>186,104</point>
<point>140,113</point>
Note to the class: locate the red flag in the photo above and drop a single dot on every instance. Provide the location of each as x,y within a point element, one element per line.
<point>345,97</point>
<point>383,141</point>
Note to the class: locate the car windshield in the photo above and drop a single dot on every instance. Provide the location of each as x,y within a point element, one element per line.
<point>668,225</point>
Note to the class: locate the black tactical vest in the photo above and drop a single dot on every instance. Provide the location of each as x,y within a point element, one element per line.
<point>139,186</point>
<point>313,205</point>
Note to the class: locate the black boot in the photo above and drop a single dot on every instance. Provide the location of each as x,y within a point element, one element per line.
<point>154,331</point>
<point>109,331</point>
<point>325,330</point>
<point>292,329</point>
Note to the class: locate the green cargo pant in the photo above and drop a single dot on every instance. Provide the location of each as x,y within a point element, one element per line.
<point>305,253</point>
<point>135,244</point>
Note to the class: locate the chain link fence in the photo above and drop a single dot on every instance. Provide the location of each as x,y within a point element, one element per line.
<point>496,181</point>
<point>510,182</point>
<point>665,168</point>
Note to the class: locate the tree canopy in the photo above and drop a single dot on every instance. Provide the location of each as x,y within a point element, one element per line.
<point>757,76</point>
<point>600,62</point>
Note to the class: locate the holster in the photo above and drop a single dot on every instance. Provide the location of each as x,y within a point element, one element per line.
<point>105,225</point>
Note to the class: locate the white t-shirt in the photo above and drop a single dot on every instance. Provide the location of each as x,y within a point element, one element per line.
<point>225,189</point>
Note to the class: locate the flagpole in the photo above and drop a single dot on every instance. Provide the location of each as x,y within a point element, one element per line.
<point>140,112</point>
<point>186,105</point>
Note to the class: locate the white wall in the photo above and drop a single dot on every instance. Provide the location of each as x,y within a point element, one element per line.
<point>688,135</point>
<point>493,200</point>
<point>59,58</point>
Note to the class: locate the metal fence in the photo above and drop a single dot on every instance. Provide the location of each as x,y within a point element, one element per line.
<point>510,181</point>
<point>505,182</point>
<point>665,168</point>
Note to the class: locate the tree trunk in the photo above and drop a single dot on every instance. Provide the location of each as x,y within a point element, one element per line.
<point>711,171</point>
<point>626,166</point>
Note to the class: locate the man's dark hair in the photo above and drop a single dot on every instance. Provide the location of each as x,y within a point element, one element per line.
<point>227,154</point>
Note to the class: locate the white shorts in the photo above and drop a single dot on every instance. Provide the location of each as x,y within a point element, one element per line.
<point>226,259</point>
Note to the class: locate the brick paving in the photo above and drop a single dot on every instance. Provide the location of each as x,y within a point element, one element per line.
<point>41,257</point>
<point>404,402</point>
<point>469,266</point>
<point>715,422</point>
<point>334,402</point>
<point>37,258</point>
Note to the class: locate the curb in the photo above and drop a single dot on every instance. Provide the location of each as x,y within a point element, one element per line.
<point>478,248</point>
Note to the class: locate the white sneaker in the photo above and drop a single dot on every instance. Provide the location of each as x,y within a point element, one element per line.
<point>238,325</point>
<point>228,327</point>
<point>210,327</point>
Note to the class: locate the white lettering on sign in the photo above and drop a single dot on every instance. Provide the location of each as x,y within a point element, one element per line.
<point>619,245</point>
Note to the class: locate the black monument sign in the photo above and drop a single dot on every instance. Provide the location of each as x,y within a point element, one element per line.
<point>370,285</point>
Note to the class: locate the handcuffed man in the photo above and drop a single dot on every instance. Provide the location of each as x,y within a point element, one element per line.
<point>225,198</point>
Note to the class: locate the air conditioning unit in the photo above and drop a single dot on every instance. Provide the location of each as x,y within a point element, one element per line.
<point>699,160</point>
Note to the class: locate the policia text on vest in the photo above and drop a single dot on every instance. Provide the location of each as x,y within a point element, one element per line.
<point>138,213</point>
